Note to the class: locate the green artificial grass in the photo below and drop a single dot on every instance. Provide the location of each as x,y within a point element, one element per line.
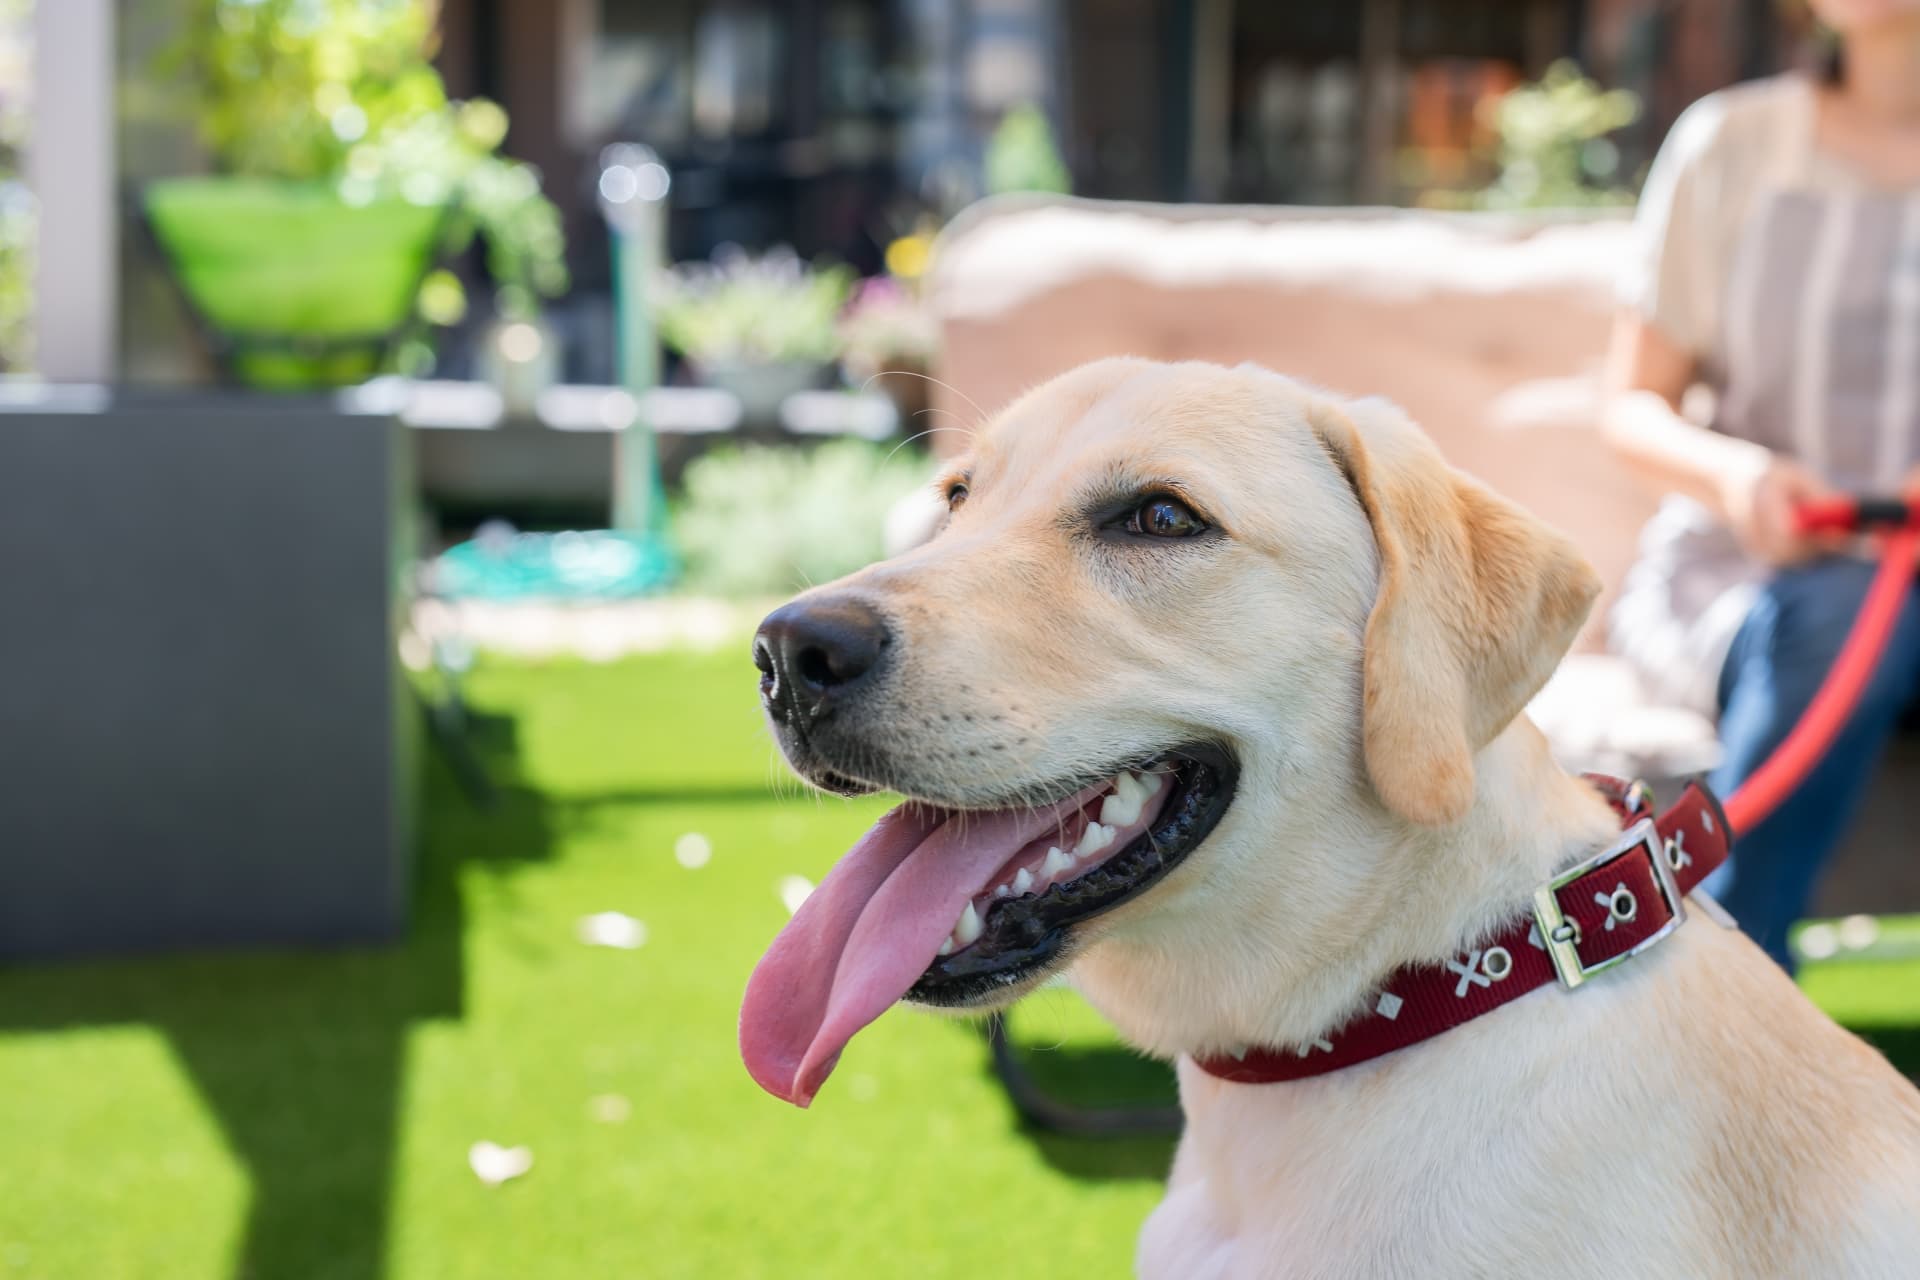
<point>308,1115</point>
<point>290,1116</point>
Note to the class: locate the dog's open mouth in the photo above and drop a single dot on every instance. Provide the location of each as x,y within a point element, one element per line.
<point>1135,829</point>
<point>950,907</point>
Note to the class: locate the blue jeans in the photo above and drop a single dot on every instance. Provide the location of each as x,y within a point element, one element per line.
<point>1778,660</point>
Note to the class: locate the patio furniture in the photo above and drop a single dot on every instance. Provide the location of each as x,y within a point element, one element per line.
<point>475,456</point>
<point>205,739</point>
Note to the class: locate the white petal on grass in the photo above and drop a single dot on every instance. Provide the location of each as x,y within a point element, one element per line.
<point>692,851</point>
<point>609,1108</point>
<point>612,929</point>
<point>793,891</point>
<point>494,1164</point>
<point>1857,933</point>
<point>1819,941</point>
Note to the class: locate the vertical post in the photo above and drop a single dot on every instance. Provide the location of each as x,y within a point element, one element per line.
<point>70,169</point>
<point>633,198</point>
<point>1209,150</point>
<point>1379,45</point>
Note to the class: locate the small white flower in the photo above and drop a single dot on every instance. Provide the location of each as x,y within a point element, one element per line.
<point>612,929</point>
<point>1819,941</point>
<point>1857,933</point>
<point>692,851</point>
<point>494,1164</point>
<point>793,891</point>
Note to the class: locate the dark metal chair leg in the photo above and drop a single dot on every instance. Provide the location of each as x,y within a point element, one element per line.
<point>447,722</point>
<point>1043,1110</point>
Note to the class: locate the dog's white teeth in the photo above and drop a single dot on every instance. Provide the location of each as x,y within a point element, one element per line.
<point>1023,881</point>
<point>968,930</point>
<point>1093,840</point>
<point>1122,808</point>
<point>946,945</point>
<point>1134,787</point>
<point>1057,864</point>
<point>1002,891</point>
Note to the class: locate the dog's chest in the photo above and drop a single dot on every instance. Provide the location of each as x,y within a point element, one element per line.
<point>1293,1182</point>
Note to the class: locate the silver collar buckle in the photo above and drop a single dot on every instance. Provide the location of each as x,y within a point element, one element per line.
<point>1560,934</point>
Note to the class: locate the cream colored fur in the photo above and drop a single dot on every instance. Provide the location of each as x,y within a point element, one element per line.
<point>1364,636</point>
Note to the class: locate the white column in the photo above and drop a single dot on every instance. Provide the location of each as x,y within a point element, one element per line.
<point>70,169</point>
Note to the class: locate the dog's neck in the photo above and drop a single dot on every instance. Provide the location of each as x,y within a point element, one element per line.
<point>1429,894</point>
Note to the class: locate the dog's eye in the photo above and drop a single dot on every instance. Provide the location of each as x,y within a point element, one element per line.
<point>956,496</point>
<point>1165,517</point>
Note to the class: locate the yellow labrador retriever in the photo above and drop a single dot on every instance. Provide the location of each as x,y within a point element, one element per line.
<point>1210,687</point>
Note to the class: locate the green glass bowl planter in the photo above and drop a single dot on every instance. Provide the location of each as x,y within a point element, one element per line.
<point>299,288</point>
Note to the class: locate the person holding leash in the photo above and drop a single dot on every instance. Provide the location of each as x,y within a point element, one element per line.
<point>1780,266</point>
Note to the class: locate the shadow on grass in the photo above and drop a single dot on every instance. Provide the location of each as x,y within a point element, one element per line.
<point>1900,1044</point>
<point>1097,1082</point>
<point>1095,1112</point>
<point>300,1055</point>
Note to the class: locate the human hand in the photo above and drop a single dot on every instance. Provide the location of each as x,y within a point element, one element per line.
<point>1761,502</point>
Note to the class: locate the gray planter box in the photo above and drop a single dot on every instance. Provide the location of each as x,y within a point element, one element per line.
<point>204,737</point>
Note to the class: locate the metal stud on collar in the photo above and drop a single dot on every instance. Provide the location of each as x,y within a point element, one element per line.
<point>1497,963</point>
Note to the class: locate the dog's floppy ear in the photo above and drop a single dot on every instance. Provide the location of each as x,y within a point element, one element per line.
<point>1478,602</point>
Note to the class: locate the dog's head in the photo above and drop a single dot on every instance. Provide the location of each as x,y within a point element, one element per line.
<point>1181,622</point>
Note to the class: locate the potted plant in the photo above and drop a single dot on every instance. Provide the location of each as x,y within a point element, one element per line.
<point>887,330</point>
<point>760,327</point>
<point>343,174</point>
<point>1555,143</point>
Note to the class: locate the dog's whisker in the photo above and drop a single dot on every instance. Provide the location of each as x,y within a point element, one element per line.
<point>921,435</point>
<point>927,377</point>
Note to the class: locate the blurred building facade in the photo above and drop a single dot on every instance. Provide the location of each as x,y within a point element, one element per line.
<point>823,123</point>
<point>835,125</point>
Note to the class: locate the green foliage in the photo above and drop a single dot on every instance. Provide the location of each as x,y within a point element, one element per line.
<point>18,217</point>
<point>306,1115</point>
<point>1021,155</point>
<point>17,242</point>
<point>1554,151</point>
<point>739,308</point>
<point>289,87</point>
<point>344,92</point>
<point>769,521</point>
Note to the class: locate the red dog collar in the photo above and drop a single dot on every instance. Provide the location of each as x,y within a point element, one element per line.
<point>1587,919</point>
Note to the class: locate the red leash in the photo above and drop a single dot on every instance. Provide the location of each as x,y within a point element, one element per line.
<point>1840,692</point>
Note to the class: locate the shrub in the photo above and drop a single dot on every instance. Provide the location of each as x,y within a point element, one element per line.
<point>1021,155</point>
<point>1554,148</point>
<point>344,92</point>
<point>764,520</point>
<point>771,309</point>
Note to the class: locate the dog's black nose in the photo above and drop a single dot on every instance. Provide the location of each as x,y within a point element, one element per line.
<point>812,652</point>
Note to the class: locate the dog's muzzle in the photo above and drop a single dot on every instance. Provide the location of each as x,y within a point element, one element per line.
<point>815,655</point>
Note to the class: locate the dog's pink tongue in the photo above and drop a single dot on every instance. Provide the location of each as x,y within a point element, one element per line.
<point>861,939</point>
